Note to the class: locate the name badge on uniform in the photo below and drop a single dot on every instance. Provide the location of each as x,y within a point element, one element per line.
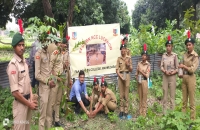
<point>45,59</point>
<point>22,71</point>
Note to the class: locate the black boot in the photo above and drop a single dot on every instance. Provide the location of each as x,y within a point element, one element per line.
<point>121,114</point>
<point>58,124</point>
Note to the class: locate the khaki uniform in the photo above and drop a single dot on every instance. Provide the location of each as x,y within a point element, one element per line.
<point>109,103</point>
<point>143,87</point>
<point>169,63</point>
<point>51,48</point>
<point>189,82</point>
<point>18,74</point>
<point>56,65</point>
<point>95,96</point>
<point>67,72</point>
<point>42,74</point>
<point>123,84</point>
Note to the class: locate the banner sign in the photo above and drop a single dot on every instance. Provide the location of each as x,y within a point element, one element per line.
<point>98,52</point>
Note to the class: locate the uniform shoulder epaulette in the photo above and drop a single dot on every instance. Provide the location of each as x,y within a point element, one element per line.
<point>13,61</point>
<point>128,56</point>
<point>55,52</point>
<point>195,54</point>
<point>164,53</point>
<point>39,50</point>
<point>174,53</point>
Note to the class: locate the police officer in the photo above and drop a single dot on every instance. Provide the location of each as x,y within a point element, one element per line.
<point>123,69</point>
<point>107,101</point>
<point>42,74</point>
<point>56,67</point>
<point>142,74</point>
<point>189,66</point>
<point>95,93</point>
<point>52,47</point>
<point>125,41</point>
<point>169,66</point>
<point>18,74</point>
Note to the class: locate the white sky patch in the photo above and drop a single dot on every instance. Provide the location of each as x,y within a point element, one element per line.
<point>130,4</point>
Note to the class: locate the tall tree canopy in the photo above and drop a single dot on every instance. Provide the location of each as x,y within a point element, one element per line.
<point>157,11</point>
<point>77,12</point>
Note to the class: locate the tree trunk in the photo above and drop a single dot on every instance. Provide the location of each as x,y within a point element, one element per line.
<point>70,11</point>
<point>178,19</point>
<point>47,8</point>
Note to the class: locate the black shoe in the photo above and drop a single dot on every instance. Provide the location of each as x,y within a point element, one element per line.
<point>121,114</point>
<point>57,124</point>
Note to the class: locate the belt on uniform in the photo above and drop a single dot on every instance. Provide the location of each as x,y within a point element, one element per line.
<point>27,96</point>
<point>186,73</point>
<point>124,72</point>
<point>143,78</point>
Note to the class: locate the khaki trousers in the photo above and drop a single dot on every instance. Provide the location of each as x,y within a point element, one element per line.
<point>44,91</point>
<point>124,92</point>
<point>110,106</point>
<point>21,116</point>
<point>188,91</point>
<point>169,82</point>
<point>54,100</point>
<point>94,100</point>
<point>143,91</point>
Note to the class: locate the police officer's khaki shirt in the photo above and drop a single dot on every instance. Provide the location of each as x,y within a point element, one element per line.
<point>145,67</point>
<point>18,75</point>
<point>191,61</point>
<point>96,91</point>
<point>169,62</point>
<point>42,67</point>
<point>51,48</point>
<point>110,97</point>
<point>121,64</point>
<point>56,62</point>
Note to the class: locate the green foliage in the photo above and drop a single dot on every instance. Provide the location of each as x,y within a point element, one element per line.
<point>43,30</point>
<point>157,37</point>
<point>84,117</point>
<point>112,117</point>
<point>56,128</point>
<point>175,120</point>
<point>6,100</point>
<point>190,23</point>
<point>70,117</point>
<point>156,89</point>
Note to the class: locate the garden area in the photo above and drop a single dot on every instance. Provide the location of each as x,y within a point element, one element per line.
<point>155,120</point>
<point>145,28</point>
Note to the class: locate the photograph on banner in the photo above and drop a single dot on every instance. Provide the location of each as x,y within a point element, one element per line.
<point>94,48</point>
<point>96,54</point>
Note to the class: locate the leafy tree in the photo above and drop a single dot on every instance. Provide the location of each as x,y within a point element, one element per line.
<point>157,11</point>
<point>115,11</point>
<point>5,9</point>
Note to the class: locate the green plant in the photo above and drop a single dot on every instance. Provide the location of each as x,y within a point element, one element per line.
<point>157,107</point>
<point>6,100</point>
<point>84,117</point>
<point>130,125</point>
<point>175,120</point>
<point>112,117</point>
<point>70,117</point>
